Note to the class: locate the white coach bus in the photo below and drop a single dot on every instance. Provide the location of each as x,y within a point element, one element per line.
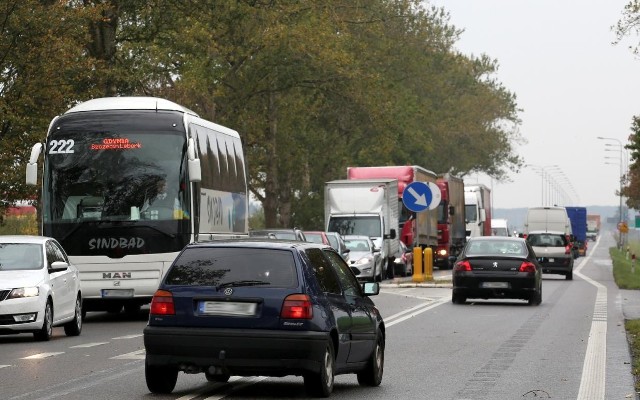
<point>106,162</point>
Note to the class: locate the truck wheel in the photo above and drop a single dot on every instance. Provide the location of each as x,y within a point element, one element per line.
<point>389,268</point>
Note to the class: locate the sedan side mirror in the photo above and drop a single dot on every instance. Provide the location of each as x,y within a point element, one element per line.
<point>58,266</point>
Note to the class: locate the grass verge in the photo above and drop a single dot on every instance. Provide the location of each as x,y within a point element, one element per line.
<point>627,276</point>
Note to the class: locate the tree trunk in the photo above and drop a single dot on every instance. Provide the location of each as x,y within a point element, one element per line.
<point>270,204</point>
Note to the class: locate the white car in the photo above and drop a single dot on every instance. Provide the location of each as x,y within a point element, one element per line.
<point>39,288</point>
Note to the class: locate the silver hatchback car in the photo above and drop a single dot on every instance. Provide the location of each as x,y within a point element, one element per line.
<point>364,258</point>
<point>553,251</point>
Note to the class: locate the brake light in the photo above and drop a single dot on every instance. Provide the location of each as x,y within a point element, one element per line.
<point>297,306</point>
<point>162,303</point>
<point>462,266</point>
<point>526,266</point>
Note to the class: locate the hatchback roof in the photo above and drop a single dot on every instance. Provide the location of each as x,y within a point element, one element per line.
<point>258,243</point>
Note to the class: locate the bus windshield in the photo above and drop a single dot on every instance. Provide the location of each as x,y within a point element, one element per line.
<point>115,183</point>
<point>113,166</point>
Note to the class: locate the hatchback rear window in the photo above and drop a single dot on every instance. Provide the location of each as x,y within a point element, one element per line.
<point>546,240</point>
<point>214,266</point>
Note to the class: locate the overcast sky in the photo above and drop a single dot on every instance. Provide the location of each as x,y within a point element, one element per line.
<point>572,84</point>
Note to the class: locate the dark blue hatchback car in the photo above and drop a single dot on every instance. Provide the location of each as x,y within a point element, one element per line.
<point>263,307</point>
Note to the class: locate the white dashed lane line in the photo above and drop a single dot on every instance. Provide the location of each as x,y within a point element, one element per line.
<point>88,345</point>
<point>128,336</point>
<point>41,356</point>
<point>134,355</point>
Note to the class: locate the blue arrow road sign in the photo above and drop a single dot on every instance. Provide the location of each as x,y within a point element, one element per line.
<point>421,196</point>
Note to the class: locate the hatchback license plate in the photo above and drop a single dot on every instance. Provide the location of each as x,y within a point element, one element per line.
<point>495,285</point>
<point>227,308</point>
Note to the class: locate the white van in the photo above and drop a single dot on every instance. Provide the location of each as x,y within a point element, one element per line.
<point>547,219</point>
<point>499,227</point>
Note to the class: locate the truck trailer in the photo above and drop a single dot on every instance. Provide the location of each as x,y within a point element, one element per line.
<point>365,207</point>
<point>578,218</point>
<point>593,226</point>
<point>451,220</point>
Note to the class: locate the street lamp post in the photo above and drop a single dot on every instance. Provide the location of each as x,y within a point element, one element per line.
<point>621,179</point>
<point>544,171</point>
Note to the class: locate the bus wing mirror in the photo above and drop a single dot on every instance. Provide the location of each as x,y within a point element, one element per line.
<point>195,171</point>
<point>32,165</point>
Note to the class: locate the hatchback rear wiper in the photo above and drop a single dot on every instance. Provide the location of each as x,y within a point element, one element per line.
<point>241,283</point>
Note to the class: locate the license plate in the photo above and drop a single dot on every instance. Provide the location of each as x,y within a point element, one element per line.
<point>495,285</point>
<point>227,308</point>
<point>117,292</point>
<point>551,260</point>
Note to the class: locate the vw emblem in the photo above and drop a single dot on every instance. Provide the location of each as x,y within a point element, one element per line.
<point>228,291</point>
<point>495,264</point>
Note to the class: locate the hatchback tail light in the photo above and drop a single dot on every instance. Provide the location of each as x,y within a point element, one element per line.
<point>527,267</point>
<point>297,306</point>
<point>162,303</point>
<point>462,266</point>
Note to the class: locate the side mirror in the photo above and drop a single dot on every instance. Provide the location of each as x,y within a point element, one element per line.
<point>58,266</point>
<point>32,166</point>
<point>195,171</point>
<point>391,235</point>
<point>370,288</point>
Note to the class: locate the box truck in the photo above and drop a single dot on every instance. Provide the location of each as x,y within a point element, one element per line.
<point>365,207</point>
<point>477,205</point>
<point>452,234</point>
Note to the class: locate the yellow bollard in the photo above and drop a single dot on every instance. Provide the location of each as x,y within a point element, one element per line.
<point>418,274</point>
<point>428,264</point>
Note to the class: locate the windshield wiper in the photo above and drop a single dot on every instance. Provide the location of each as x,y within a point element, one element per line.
<point>241,283</point>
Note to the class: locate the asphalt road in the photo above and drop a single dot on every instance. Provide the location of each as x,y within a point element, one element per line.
<point>572,346</point>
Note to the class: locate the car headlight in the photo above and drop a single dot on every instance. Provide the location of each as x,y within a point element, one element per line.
<point>365,260</point>
<point>19,293</point>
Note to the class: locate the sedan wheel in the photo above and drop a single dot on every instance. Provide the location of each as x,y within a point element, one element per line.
<point>74,327</point>
<point>372,374</point>
<point>457,298</point>
<point>46,331</point>
<point>160,379</point>
<point>217,378</point>
<point>536,298</point>
<point>321,384</point>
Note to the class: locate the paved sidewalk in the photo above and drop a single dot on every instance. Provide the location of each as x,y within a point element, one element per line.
<point>630,303</point>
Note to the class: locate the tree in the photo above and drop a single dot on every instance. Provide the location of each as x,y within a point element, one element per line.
<point>42,69</point>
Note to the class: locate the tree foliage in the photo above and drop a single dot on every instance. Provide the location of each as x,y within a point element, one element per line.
<point>312,87</point>
<point>627,26</point>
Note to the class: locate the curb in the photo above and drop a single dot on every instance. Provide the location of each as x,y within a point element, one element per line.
<point>408,283</point>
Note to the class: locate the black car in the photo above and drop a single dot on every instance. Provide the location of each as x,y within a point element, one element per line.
<point>497,267</point>
<point>263,307</point>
